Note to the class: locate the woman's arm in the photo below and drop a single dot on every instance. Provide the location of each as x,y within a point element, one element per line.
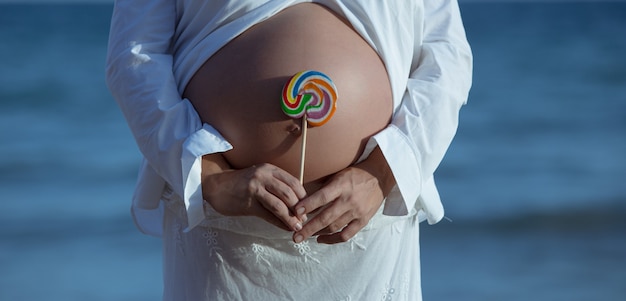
<point>412,146</point>
<point>169,132</point>
<point>139,76</point>
<point>426,123</point>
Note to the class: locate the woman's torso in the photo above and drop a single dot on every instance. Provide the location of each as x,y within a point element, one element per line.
<point>238,91</point>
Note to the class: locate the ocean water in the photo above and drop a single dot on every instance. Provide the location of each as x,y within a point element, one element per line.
<point>534,183</point>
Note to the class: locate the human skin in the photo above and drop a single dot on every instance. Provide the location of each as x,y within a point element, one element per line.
<point>237,91</point>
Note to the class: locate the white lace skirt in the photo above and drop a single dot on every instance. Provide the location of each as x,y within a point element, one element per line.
<point>245,258</point>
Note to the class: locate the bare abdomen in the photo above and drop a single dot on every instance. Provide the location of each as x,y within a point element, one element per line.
<point>238,91</point>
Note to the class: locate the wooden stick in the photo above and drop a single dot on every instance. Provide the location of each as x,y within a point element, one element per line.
<point>303,148</point>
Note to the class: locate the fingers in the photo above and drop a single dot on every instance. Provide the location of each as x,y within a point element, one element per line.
<point>278,182</point>
<point>277,209</point>
<point>328,218</point>
<point>342,230</point>
<point>348,201</point>
<point>292,182</point>
<point>331,218</point>
<point>277,192</point>
<point>319,199</point>
<point>337,225</point>
<point>344,235</point>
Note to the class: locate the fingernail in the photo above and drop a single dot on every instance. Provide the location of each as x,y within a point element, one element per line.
<point>304,218</point>
<point>298,238</point>
<point>300,210</point>
<point>298,227</point>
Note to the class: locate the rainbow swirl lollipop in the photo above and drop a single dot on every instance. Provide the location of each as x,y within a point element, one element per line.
<point>310,94</point>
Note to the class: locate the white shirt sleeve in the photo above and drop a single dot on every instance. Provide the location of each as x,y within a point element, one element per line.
<point>166,127</point>
<point>423,126</point>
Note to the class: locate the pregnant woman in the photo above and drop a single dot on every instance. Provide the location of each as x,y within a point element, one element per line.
<point>199,83</point>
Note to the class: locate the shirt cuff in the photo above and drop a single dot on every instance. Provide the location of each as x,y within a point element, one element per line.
<point>405,168</point>
<point>207,140</point>
<point>430,203</point>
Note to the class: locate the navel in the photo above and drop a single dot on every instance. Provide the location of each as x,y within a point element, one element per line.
<point>294,129</point>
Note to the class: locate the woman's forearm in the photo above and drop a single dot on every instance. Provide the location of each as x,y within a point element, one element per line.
<point>377,166</point>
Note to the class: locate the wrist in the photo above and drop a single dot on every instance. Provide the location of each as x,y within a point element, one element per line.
<point>212,166</point>
<point>376,165</point>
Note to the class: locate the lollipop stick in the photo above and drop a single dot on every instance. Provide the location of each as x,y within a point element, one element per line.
<point>303,148</point>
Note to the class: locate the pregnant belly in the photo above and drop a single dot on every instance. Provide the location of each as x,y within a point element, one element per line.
<point>238,91</point>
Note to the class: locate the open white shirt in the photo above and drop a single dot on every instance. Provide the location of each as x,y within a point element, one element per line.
<point>156,46</point>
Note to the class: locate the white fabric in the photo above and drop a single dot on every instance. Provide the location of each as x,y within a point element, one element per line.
<point>245,258</point>
<point>155,47</point>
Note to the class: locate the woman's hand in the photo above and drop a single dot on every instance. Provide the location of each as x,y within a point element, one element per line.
<point>350,199</point>
<point>265,191</point>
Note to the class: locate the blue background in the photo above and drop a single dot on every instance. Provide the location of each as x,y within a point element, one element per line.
<point>533,184</point>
